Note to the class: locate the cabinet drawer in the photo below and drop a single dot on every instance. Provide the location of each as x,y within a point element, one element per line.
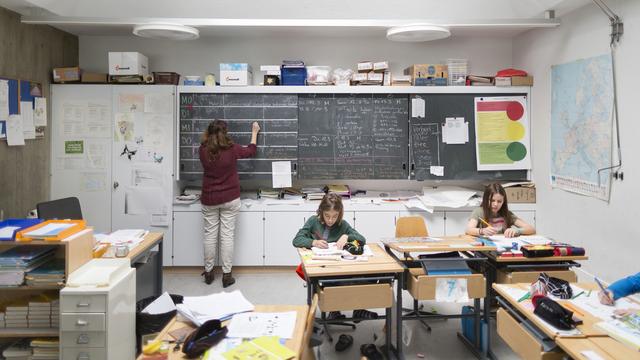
<point>423,287</point>
<point>83,303</point>
<point>351,297</point>
<point>520,340</point>
<point>84,354</point>
<point>505,277</point>
<point>82,322</point>
<point>83,339</point>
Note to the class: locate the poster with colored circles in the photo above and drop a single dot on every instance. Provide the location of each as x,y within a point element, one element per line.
<point>502,133</point>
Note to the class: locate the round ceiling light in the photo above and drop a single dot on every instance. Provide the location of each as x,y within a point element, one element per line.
<point>417,33</point>
<point>166,31</point>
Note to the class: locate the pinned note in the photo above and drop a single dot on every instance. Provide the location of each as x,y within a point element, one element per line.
<point>281,174</point>
<point>417,108</point>
<point>455,131</point>
<point>436,170</point>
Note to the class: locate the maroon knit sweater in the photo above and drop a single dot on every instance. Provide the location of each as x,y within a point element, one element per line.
<point>220,183</point>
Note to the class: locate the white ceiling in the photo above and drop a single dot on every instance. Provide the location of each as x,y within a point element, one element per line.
<point>355,18</point>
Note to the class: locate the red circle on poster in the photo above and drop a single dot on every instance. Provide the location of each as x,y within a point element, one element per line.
<point>515,110</point>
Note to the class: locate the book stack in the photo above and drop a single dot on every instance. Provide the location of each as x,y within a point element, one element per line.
<point>45,349</point>
<point>313,193</point>
<point>2,324</point>
<point>292,193</point>
<point>20,350</point>
<point>39,315</point>
<point>49,273</point>
<point>269,194</point>
<point>55,313</point>
<point>16,314</point>
<point>475,80</point>
<point>20,259</point>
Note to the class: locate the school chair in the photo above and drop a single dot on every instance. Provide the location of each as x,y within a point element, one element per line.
<point>66,208</point>
<point>413,226</point>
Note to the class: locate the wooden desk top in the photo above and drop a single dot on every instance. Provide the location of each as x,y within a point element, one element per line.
<point>150,240</point>
<point>608,348</point>
<point>502,259</point>
<point>294,344</point>
<point>526,308</point>
<point>380,263</point>
<point>448,243</point>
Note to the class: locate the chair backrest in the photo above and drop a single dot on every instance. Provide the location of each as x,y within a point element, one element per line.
<point>409,226</point>
<point>67,208</point>
<point>307,351</point>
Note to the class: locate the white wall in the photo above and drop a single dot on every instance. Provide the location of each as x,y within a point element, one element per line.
<point>486,55</point>
<point>609,231</point>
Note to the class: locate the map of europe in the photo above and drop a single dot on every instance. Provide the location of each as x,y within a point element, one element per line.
<point>581,122</point>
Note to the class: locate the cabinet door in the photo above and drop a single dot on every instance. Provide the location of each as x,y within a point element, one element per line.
<point>374,225</point>
<point>249,239</point>
<point>188,233</point>
<point>435,221</point>
<point>456,222</point>
<point>279,229</point>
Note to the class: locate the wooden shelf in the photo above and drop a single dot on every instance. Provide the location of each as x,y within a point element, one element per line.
<point>355,89</point>
<point>28,332</point>
<point>32,287</point>
<point>33,242</point>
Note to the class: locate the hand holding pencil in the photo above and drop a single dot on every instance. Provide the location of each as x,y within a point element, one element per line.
<point>489,230</point>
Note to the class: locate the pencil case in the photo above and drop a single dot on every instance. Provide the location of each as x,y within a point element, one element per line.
<point>532,251</point>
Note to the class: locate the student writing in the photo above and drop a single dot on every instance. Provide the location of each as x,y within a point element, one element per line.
<point>494,217</point>
<point>619,289</point>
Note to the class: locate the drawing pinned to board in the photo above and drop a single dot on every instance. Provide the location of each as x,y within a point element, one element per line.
<point>131,103</point>
<point>130,154</point>
<point>124,128</point>
<point>146,177</point>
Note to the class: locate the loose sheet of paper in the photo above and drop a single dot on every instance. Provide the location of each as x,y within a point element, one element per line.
<point>7,231</point>
<point>436,170</point>
<point>40,112</point>
<point>256,324</point>
<point>92,182</point>
<point>281,174</point>
<point>417,108</point>
<point>158,103</point>
<point>455,131</point>
<point>15,135</point>
<point>26,110</point>
<point>161,305</point>
<point>4,100</point>
<point>451,290</point>
<point>140,201</point>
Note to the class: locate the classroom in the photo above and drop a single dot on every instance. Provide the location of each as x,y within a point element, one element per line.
<point>417,179</point>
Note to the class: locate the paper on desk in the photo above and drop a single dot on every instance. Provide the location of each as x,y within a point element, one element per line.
<point>226,344</point>
<point>256,324</point>
<point>199,309</point>
<point>416,203</point>
<point>281,174</point>
<point>451,290</point>
<point>592,305</point>
<point>161,305</point>
<point>526,239</point>
<point>48,230</point>
<point>333,250</point>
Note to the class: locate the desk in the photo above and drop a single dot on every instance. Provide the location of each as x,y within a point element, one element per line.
<point>295,344</point>
<point>415,280</point>
<point>148,274</point>
<point>351,285</point>
<point>517,322</point>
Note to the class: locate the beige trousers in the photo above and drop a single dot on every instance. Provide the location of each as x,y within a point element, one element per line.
<point>219,224</point>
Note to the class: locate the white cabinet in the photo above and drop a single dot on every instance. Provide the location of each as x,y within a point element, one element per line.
<point>456,222</point>
<point>434,222</point>
<point>188,232</point>
<point>375,225</point>
<point>249,239</point>
<point>280,227</point>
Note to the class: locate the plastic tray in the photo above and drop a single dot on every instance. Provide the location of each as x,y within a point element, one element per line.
<point>20,224</point>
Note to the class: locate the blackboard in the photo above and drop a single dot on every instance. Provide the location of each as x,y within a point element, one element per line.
<point>277,115</point>
<point>348,136</point>
<point>459,160</point>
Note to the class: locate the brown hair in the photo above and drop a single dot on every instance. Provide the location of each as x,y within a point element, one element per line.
<point>216,139</point>
<point>331,201</point>
<point>504,212</point>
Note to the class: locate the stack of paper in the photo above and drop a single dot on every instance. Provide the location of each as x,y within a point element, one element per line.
<point>2,323</point>
<point>45,349</point>
<point>20,259</point>
<point>49,273</point>
<point>313,193</point>
<point>55,313</point>
<point>16,314</point>
<point>447,196</point>
<point>332,250</point>
<point>39,315</point>
<point>222,306</point>
<point>268,193</point>
<point>127,237</point>
<point>48,230</point>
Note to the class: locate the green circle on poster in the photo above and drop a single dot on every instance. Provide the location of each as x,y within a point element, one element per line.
<point>516,151</point>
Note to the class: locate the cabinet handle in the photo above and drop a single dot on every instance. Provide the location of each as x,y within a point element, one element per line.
<point>83,339</point>
<point>81,322</point>
<point>83,304</point>
<point>83,356</point>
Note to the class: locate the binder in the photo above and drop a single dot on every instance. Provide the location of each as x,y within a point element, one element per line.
<point>36,232</point>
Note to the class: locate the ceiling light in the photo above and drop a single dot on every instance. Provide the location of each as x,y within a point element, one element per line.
<point>166,31</point>
<point>417,32</point>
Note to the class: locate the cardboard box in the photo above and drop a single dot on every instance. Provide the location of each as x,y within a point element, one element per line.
<point>359,77</point>
<point>128,63</point>
<point>503,81</point>
<point>381,66</point>
<point>96,78</point>
<point>67,74</point>
<point>375,76</point>
<point>236,74</point>
<point>427,74</point>
<point>522,81</point>
<point>519,194</point>
<point>365,66</point>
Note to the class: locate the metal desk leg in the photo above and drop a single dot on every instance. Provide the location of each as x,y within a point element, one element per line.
<point>399,315</point>
<point>158,291</point>
<point>387,332</point>
<point>488,299</point>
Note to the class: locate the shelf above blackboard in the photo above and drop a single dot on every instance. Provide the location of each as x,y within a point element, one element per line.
<point>354,89</point>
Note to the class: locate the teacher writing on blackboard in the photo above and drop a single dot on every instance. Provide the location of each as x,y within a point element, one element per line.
<point>221,194</point>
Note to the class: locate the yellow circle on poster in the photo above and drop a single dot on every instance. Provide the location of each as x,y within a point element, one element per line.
<point>515,130</point>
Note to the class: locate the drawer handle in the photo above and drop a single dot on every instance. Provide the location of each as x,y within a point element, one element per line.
<point>83,339</point>
<point>87,304</point>
<point>83,356</point>
<point>81,322</point>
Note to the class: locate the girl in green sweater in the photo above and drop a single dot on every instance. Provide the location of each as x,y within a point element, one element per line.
<point>327,226</point>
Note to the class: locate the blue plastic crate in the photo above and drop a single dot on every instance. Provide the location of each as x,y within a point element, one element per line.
<point>469,328</point>
<point>293,76</point>
<point>21,224</point>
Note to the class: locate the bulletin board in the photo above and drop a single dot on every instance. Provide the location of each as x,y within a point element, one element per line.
<point>18,92</point>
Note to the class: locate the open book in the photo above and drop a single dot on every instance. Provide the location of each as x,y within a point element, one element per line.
<point>625,329</point>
